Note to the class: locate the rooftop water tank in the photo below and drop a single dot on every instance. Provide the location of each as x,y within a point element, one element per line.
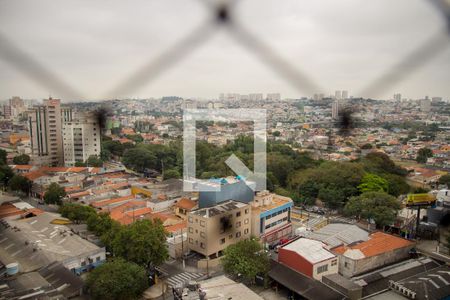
<point>12,269</point>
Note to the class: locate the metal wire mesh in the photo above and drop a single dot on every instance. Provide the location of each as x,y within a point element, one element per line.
<point>222,16</point>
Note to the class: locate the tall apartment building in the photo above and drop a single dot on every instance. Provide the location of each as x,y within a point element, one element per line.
<point>425,105</point>
<point>398,97</point>
<point>81,136</point>
<point>337,95</point>
<point>44,123</point>
<point>335,109</point>
<point>274,97</point>
<point>13,108</point>
<point>212,229</point>
<point>7,111</point>
<point>344,94</point>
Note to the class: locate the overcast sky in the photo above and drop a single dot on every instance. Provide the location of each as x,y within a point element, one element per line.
<point>95,45</point>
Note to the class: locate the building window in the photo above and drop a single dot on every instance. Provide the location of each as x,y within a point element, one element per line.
<point>322,269</point>
<point>190,220</point>
<point>334,262</point>
<point>191,241</point>
<point>245,230</point>
<point>222,241</point>
<point>238,224</point>
<point>202,223</point>
<point>98,258</point>
<point>230,236</point>
<point>238,234</point>
<point>202,245</point>
<point>238,214</point>
<point>347,265</point>
<point>247,211</point>
<point>191,230</point>
<point>83,263</point>
<point>246,221</point>
<point>202,234</point>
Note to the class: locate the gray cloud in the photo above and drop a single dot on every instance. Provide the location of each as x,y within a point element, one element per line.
<point>94,45</point>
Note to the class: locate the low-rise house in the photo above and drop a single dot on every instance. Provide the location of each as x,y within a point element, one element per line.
<point>183,206</point>
<point>309,257</point>
<point>379,250</point>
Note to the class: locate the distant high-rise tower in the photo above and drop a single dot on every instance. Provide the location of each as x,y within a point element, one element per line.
<point>425,105</point>
<point>338,95</point>
<point>398,97</point>
<point>44,123</point>
<point>81,133</point>
<point>274,97</point>
<point>344,94</point>
<point>335,109</point>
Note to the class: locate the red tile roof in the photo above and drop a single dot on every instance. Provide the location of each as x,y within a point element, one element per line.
<point>186,203</point>
<point>106,202</point>
<point>22,167</point>
<point>34,175</point>
<point>177,227</point>
<point>378,243</point>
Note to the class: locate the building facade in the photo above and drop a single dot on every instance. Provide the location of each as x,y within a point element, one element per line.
<point>215,191</point>
<point>271,217</point>
<point>44,122</point>
<point>212,229</point>
<point>379,250</point>
<point>81,136</point>
<point>309,257</point>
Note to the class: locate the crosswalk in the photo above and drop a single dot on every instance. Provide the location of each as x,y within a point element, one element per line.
<point>182,278</point>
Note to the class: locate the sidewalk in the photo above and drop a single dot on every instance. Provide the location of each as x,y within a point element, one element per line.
<point>155,291</point>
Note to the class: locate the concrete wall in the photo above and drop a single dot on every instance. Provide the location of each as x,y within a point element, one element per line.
<point>349,267</point>
<point>332,268</point>
<point>205,264</point>
<point>295,261</point>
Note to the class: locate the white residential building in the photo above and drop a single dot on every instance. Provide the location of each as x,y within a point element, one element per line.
<point>81,136</point>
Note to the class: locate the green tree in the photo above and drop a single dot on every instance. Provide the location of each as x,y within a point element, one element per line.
<point>379,206</point>
<point>379,163</point>
<point>139,159</point>
<point>341,178</point>
<point>445,179</point>
<point>171,173</point>
<point>373,183</point>
<point>20,183</point>
<point>22,159</point>
<point>117,279</point>
<point>80,164</point>
<point>137,138</point>
<point>5,175</point>
<point>367,146</point>
<point>423,155</point>
<point>142,242</point>
<point>94,161</point>
<point>396,185</point>
<point>54,194</point>
<point>76,212</point>
<point>246,258</point>
<point>3,157</point>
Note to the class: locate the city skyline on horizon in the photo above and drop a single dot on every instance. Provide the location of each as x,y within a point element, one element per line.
<point>93,47</point>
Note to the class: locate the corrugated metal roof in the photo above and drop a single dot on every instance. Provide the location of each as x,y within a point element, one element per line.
<point>311,250</point>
